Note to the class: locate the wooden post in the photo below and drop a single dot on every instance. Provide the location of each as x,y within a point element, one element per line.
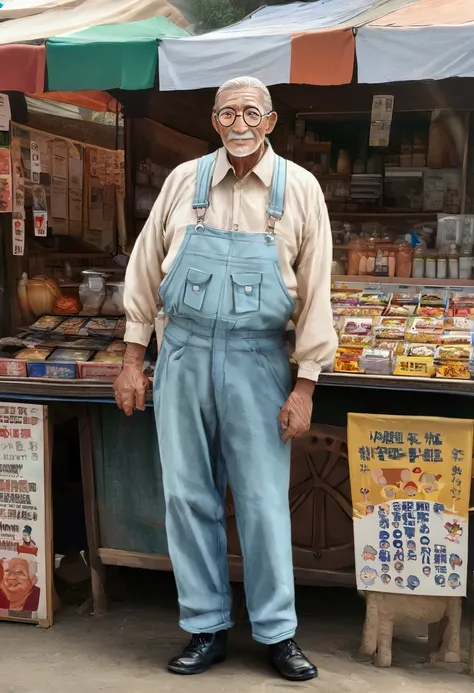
<point>99,598</point>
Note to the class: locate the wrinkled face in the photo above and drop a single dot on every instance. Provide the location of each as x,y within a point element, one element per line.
<point>16,579</point>
<point>245,135</point>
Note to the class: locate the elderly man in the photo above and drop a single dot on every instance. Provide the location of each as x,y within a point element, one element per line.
<point>237,243</point>
<point>19,584</point>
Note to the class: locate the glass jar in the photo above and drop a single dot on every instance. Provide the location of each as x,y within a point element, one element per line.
<point>92,292</point>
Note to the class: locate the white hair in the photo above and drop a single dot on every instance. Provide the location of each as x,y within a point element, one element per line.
<point>246,83</point>
<point>30,560</point>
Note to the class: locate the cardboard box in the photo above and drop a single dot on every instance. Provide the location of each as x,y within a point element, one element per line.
<point>52,370</point>
<point>13,369</point>
<point>105,372</point>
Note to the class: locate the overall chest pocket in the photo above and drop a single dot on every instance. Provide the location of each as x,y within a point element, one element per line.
<point>246,289</point>
<point>197,284</point>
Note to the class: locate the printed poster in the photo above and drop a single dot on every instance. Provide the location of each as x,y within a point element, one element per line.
<point>410,483</point>
<point>381,120</point>
<point>24,552</point>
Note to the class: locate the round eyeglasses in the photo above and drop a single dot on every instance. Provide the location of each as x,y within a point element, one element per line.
<point>250,115</point>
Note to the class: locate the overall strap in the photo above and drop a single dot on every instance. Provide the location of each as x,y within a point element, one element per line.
<point>203,181</point>
<point>276,207</point>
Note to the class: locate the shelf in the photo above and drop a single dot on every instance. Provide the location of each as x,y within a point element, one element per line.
<point>402,281</point>
<point>385,215</point>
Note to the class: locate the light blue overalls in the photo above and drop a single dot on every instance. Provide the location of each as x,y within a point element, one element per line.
<point>221,378</point>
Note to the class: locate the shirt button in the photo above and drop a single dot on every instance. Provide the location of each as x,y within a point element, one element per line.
<point>248,289</point>
<point>196,288</point>
<point>235,227</point>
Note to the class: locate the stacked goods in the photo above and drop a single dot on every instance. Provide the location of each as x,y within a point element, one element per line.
<point>417,334</point>
<point>67,347</point>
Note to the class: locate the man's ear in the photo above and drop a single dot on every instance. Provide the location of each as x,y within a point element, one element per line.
<point>271,122</point>
<point>34,580</point>
<point>214,122</point>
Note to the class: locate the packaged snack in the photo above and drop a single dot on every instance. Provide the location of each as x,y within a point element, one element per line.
<point>70,355</point>
<point>414,366</point>
<point>356,340</point>
<point>102,326</point>
<point>13,368</point>
<point>377,362</point>
<point>456,337</point>
<point>374,298</point>
<point>348,297</point>
<point>357,325</point>
<point>459,323</point>
<point>420,350</point>
<point>406,298</point>
<point>346,364</point>
<point>426,324</point>
<point>391,321</point>
<point>424,336</point>
<point>460,352</point>
<point>47,323</point>
<point>117,346</point>
<point>389,333</point>
<point>108,357</point>
<point>402,310</point>
<point>350,350</point>
<point>431,311</point>
<point>434,298</point>
<point>366,311</point>
<point>72,326</point>
<point>32,354</point>
<point>453,369</point>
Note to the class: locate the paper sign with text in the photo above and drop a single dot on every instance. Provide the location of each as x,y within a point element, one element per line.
<point>24,554</point>
<point>410,483</point>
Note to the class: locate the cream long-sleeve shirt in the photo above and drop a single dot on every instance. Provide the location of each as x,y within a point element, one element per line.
<point>303,239</point>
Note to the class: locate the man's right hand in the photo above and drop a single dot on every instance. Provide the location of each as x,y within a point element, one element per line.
<point>131,386</point>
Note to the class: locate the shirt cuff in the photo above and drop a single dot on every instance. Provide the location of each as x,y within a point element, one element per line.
<point>138,333</point>
<point>309,370</point>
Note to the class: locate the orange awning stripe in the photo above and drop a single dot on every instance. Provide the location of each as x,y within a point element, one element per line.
<point>94,100</point>
<point>322,57</point>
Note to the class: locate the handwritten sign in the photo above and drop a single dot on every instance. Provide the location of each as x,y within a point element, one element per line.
<point>25,548</point>
<point>410,483</point>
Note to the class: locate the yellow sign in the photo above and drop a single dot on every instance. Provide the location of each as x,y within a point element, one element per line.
<point>410,483</point>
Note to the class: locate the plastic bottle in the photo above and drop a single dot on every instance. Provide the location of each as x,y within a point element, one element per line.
<point>418,270</point>
<point>453,262</point>
<point>442,265</point>
<point>430,265</point>
<point>465,262</point>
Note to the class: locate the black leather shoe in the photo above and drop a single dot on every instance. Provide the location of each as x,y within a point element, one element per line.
<point>290,662</point>
<point>204,650</point>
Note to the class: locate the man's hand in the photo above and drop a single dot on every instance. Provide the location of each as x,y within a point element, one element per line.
<point>131,385</point>
<point>295,415</point>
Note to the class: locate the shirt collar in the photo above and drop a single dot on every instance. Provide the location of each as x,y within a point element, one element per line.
<point>264,168</point>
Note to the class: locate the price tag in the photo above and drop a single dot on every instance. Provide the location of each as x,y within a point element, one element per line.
<point>18,228</point>
<point>41,223</point>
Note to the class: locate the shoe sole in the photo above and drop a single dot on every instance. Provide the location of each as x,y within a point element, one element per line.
<point>193,672</point>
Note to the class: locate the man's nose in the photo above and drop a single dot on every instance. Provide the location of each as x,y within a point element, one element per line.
<point>240,126</point>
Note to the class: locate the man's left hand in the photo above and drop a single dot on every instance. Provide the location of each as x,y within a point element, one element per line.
<point>295,415</point>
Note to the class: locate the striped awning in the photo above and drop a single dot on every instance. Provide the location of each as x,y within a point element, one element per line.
<point>425,40</point>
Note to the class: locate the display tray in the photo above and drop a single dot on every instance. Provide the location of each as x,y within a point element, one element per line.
<point>89,390</point>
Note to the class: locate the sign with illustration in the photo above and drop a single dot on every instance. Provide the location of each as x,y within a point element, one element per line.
<point>410,484</point>
<point>25,543</point>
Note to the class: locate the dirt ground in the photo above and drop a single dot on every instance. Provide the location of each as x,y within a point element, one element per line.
<point>127,651</point>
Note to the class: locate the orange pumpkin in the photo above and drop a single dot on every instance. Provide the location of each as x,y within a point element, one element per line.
<point>67,305</point>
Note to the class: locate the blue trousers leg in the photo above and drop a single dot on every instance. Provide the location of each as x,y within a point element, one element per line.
<point>194,485</point>
<point>258,468</point>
